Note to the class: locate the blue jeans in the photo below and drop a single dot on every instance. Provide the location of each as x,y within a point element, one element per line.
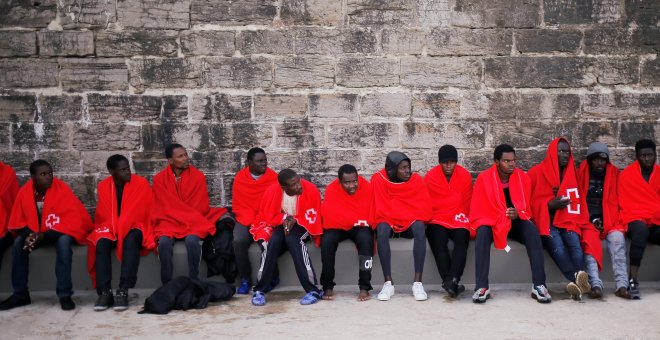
<point>64,256</point>
<point>565,249</point>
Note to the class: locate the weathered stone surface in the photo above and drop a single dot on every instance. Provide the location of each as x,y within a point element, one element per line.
<point>643,12</point>
<point>609,40</point>
<point>324,160</point>
<point>241,135</point>
<point>224,162</point>
<point>19,160</point>
<point>618,104</point>
<point>548,41</point>
<point>296,72</point>
<point>66,43</point>
<point>440,72</point>
<point>464,41</point>
<point>651,72</point>
<point>367,72</point>
<point>582,12</point>
<point>165,73</point>
<point>28,72</point>
<point>27,13</point>
<point>366,135</point>
<point>284,159</point>
<point>311,12</point>
<point>63,161</point>
<point>621,158</point>
<point>5,133</point>
<point>94,162</point>
<point>117,109</point>
<point>207,43</point>
<point>495,13</point>
<point>403,41</point>
<point>321,181</point>
<point>588,132</point>
<point>631,132</point>
<point>17,43</point>
<point>82,186</point>
<point>170,14</point>
<point>195,137</point>
<point>175,108</point>
<point>538,72</point>
<point>368,12</point>
<point>18,107</point>
<point>615,71</point>
<point>477,161</point>
<point>237,72</point>
<point>239,12</point>
<point>433,135</point>
<point>265,41</point>
<point>160,43</point>
<point>519,106</point>
<point>298,134</point>
<point>87,13</point>
<point>529,133</point>
<point>317,40</point>
<point>148,162</point>
<point>60,109</point>
<point>80,74</point>
<point>333,106</point>
<point>40,136</point>
<point>90,137</point>
<point>450,106</point>
<point>390,105</point>
<point>279,106</point>
<point>220,107</point>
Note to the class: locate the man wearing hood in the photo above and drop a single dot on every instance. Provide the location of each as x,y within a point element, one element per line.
<point>402,205</point>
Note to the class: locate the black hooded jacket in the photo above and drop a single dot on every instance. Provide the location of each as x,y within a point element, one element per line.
<point>392,162</point>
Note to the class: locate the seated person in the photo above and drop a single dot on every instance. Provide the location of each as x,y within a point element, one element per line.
<point>8,191</point>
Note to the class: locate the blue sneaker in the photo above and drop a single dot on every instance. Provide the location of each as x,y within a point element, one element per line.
<point>273,283</point>
<point>311,298</point>
<point>259,299</point>
<point>244,288</point>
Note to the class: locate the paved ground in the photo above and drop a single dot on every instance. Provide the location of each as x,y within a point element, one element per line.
<point>511,314</point>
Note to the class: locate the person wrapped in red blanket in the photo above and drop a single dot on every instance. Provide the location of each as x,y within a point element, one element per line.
<point>450,188</point>
<point>346,211</point>
<point>46,211</point>
<point>249,186</point>
<point>289,213</point>
<point>401,206</point>
<point>122,218</point>
<point>639,203</point>
<point>500,207</point>
<point>8,191</point>
<point>181,211</point>
<point>561,214</point>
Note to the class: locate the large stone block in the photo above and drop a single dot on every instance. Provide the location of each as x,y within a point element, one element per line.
<point>82,186</point>
<point>609,40</point>
<point>631,132</point>
<point>464,41</point>
<point>311,12</point>
<point>238,72</point>
<point>477,161</point>
<point>18,107</point>
<point>587,132</point>
<point>389,105</point>
<point>278,106</point>
<point>318,40</point>
<point>617,70</point>
<point>651,72</point>
<point>299,134</point>
<point>524,106</point>
<point>87,13</point>
<point>17,43</point>
<point>175,108</point>
<point>374,13</point>
<point>168,14</point>
<point>5,133</point>
<point>296,72</point>
<point>40,136</point>
<point>94,162</point>
<point>548,41</point>
<point>241,135</point>
<point>117,109</point>
<point>582,12</point>
<point>620,104</point>
<point>80,74</point>
<point>323,160</point>
<point>265,41</point>
<point>223,162</point>
<point>165,73</point>
<point>367,72</point>
<point>220,107</point>
<point>60,108</point>
<point>148,163</point>
<point>546,72</point>
<point>194,137</point>
<point>450,106</point>
<point>433,135</point>
<point>92,137</point>
<point>333,106</point>
<point>495,13</point>
<point>19,160</point>
<point>66,43</point>
<point>643,12</point>
<point>284,159</point>
<point>160,43</point>
<point>239,12</point>
<point>529,133</point>
<point>27,13</point>
<point>403,40</point>
<point>365,135</point>
<point>62,161</point>
<point>440,72</point>
<point>207,43</point>
<point>28,72</point>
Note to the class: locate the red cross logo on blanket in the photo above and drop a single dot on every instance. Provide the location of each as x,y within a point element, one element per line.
<point>310,215</point>
<point>461,218</point>
<point>102,230</point>
<point>361,223</point>
<point>52,220</point>
<point>573,208</point>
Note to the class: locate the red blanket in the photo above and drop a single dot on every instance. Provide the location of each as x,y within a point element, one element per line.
<point>639,200</point>
<point>400,204</point>
<point>270,213</point>
<point>343,211</point>
<point>247,192</point>
<point>450,200</point>
<point>8,191</point>
<point>182,209</point>
<point>488,206</point>
<point>62,212</point>
<point>611,220</point>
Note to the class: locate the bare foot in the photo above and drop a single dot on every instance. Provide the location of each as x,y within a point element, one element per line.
<point>364,295</point>
<point>327,294</point>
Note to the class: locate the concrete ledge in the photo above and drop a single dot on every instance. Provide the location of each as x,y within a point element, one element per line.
<point>506,268</point>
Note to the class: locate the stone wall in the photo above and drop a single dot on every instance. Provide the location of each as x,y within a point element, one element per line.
<point>319,83</point>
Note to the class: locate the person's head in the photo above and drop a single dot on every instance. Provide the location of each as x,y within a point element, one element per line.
<point>348,178</point>
<point>597,157</point>
<point>177,156</point>
<point>119,168</point>
<point>42,175</point>
<point>447,158</point>
<point>563,152</point>
<point>645,153</point>
<point>290,182</point>
<point>505,158</point>
<point>397,166</point>
<point>257,161</point>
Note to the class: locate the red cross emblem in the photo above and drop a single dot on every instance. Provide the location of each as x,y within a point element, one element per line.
<point>361,223</point>
<point>52,220</point>
<point>574,195</point>
<point>461,218</point>
<point>310,215</point>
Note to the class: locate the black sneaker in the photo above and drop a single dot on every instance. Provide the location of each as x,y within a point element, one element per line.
<point>449,288</point>
<point>67,303</point>
<point>458,287</point>
<point>104,301</point>
<point>15,301</point>
<point>121,297</point>
<point>633,289</point>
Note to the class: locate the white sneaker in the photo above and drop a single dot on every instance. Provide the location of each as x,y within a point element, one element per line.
<point>387,291</point>
<point>418,291</point>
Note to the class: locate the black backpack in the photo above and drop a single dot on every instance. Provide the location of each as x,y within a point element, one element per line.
<point>218,252</point>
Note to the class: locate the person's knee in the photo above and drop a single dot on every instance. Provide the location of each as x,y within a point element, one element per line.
<point>192,241</point>
<point>383,230</point>
<point>64,242</point>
